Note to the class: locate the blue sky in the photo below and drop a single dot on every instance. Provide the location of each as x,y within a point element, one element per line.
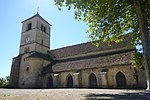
<point>65,29</point>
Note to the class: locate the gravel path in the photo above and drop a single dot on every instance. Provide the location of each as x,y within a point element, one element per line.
<point>73,94</point>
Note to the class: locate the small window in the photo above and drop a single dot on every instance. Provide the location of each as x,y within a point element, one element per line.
<point>26,49</point>
<point>27,68</point>
<point>29,26</point>
<point>44,29</point>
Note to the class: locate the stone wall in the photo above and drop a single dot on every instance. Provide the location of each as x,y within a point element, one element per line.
<point>26,22</point>
<point>106,77</point>
<point>30,69</point>
<point>127,70</point>
<point>38,41</point>
<point>44,23</point>
<point>84,75</point>
<point>14,75</point>
<point>38,37</point>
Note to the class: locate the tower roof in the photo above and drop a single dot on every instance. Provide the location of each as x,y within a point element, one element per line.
<point>37,15</point>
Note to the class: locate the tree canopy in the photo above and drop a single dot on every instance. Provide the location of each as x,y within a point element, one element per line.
<point>108,20</point>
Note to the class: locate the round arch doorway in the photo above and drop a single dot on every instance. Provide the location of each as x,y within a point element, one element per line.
<point>121,80</point>
<point>69,81</point>
<point>92,81</point>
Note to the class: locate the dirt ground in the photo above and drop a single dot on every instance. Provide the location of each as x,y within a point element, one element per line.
<point>73,94</point>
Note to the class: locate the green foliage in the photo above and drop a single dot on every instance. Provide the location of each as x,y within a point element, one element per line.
<point>108,20</point>
<point>4,82</point>
<point>137,59</point>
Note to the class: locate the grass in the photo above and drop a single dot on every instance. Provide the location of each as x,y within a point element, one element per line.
<point>38,98</point>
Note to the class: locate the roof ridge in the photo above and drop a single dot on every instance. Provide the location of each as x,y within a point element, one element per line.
<point>71,46</point>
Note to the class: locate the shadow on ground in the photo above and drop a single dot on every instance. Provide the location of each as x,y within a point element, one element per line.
<point>122,96</point>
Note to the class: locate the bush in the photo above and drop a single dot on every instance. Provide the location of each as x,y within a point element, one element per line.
<point>4,82</point>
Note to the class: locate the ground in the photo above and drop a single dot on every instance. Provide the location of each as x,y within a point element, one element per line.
<point>74,94</point>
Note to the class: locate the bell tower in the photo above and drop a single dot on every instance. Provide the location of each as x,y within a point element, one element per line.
<point>35,35</point>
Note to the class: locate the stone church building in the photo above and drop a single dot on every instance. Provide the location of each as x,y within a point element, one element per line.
<point>78,66</point>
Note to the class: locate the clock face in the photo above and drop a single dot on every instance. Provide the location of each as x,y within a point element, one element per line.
<point>27,39</point>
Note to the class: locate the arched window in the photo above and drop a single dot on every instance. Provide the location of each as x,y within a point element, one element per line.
<point>50,82</point>
<point>120,80</point>
<point>69,81</point>
<point>92,81</point>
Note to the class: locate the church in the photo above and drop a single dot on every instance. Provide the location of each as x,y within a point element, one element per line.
<point>78,66</point>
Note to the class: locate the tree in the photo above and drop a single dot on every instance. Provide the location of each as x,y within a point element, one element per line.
<point>112,20</point>
<point>4,82</point>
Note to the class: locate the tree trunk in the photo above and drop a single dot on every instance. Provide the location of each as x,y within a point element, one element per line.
<point>145,35</point>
